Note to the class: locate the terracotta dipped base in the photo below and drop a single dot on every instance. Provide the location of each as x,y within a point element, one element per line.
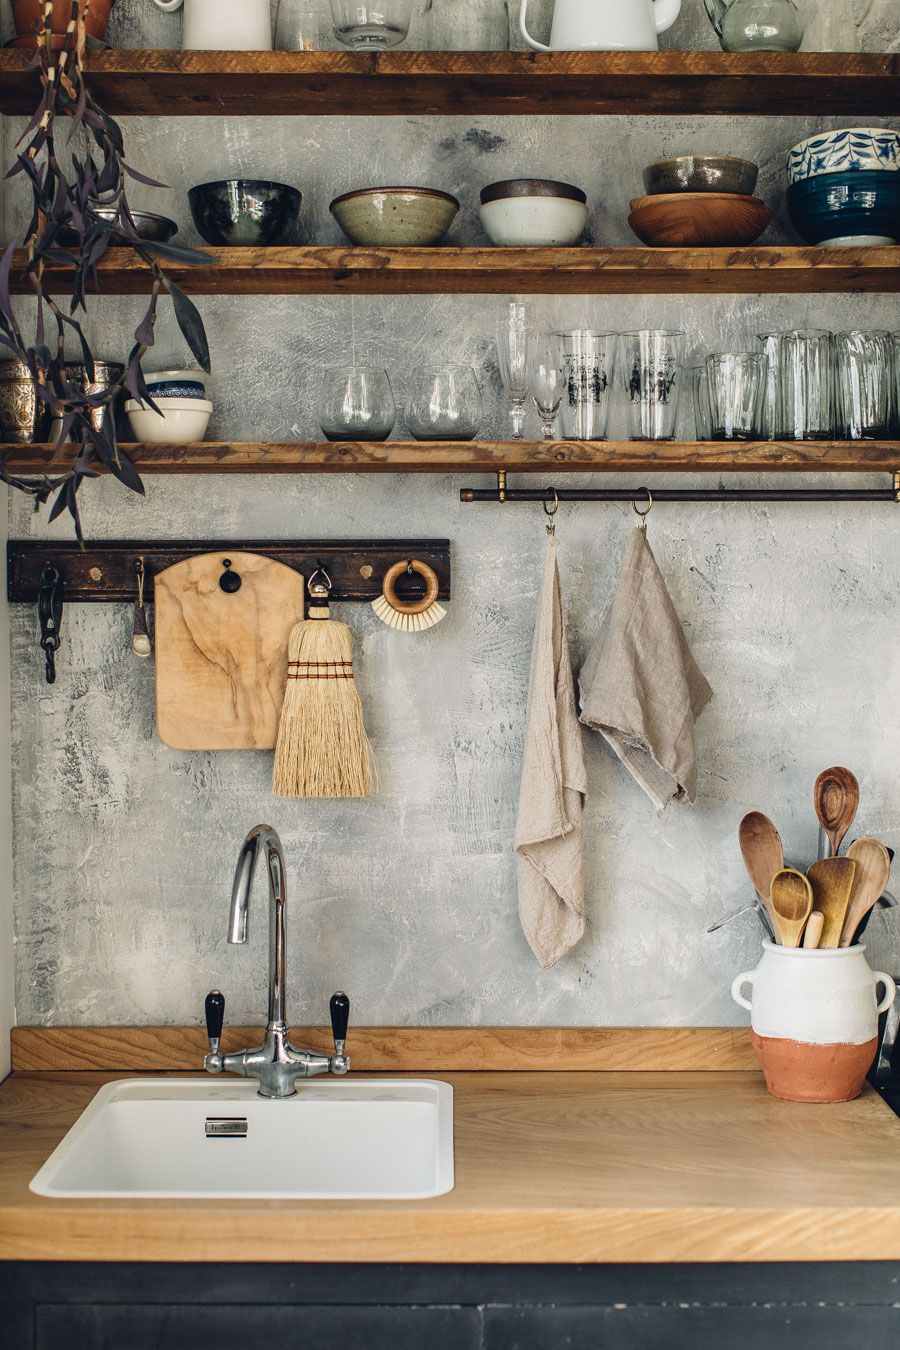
<point>798,1071</point>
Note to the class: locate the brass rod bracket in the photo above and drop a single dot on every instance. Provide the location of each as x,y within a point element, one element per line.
<point>896,485</point>
<point>501,485</point>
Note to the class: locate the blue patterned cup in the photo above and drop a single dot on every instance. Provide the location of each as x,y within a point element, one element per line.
<point>850,150</point>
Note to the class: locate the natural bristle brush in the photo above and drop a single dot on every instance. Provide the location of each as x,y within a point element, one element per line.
<point>409,616</point>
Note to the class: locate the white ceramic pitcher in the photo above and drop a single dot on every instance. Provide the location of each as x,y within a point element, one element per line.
<point>604,25</point>
<point>223,25</point>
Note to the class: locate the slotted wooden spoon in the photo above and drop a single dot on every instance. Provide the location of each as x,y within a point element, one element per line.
<point>763,855</point>
<point>836,799</point>
<point>832,881</point>
<point>873,870</point>
<point>792,902</point>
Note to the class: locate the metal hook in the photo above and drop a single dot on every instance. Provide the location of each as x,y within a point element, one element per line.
<point>644,514</point>
<point>50,607</point>
<point>551,510</point>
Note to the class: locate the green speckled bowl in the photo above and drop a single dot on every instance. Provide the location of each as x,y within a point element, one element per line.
<point>395,217</point>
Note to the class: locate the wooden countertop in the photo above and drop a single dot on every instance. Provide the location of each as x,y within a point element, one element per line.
<point>550,1167</point>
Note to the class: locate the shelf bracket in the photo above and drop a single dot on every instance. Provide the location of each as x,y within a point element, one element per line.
<point>501,485</point>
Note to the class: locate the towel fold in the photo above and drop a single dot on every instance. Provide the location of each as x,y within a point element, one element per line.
<point>640,686</point>
<point>549,836</point>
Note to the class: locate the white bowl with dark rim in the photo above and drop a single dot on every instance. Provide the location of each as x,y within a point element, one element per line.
<point>533,213</point>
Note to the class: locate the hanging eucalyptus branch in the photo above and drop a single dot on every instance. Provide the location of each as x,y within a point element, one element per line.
<point>62,206</point>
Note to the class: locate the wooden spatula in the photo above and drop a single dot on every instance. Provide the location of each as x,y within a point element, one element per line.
<point>873,869</point>
<point>832,881</point>
<point>763,855</point>
<point>812,933</point>
<point>836,798</point>
<point>792,901</point>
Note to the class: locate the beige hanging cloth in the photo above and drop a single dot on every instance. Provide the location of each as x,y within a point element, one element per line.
<point>549,835</point>
<point>640,686</point>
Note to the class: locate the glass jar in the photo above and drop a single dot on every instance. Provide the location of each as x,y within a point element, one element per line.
<point>756,25</point>
<point>300,26</point>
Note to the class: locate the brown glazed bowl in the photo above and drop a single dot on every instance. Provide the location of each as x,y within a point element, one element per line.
<point>704,219</point>
<point>701,173</point>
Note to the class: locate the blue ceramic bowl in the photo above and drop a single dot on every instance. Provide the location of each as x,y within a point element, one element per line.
<point>171,389</point>
<point>843,151</point>
<point>862,206</point>
<point>244,211</point>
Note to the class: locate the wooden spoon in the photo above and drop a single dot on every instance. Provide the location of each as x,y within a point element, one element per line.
<point>792,902</point>
<point>873,869</point>
<point>836,798</point>
<point>763,855</point>
<point>812,933</point>
<point>832,881</point>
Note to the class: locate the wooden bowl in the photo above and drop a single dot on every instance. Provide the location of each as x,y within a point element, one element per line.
<point>705,219</point>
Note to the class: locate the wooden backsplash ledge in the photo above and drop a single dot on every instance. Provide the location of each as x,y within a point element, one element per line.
<point>398,1049</point>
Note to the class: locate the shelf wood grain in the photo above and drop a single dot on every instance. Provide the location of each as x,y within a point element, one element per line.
<point>341,270</point>
<point>485,457</point>
<point>190,84</point>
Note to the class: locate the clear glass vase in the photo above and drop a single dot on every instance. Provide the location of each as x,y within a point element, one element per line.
<point>756,25</point>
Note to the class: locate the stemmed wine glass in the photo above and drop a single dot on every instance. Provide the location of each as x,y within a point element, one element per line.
<point>515,343</point>
<point>548,384</point>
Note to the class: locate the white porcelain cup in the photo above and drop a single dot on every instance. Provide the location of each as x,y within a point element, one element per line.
<point>814,1019</point>
<point>223,25</point>
<point>604,25</point>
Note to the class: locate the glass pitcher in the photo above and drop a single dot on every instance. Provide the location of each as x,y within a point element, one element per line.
<point>756,25</point>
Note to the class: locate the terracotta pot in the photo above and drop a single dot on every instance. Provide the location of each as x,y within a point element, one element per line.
<point>27,15</point>
<point>814,1019</point>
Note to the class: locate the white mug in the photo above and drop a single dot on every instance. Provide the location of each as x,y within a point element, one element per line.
<point>604,25</point>
<point>223,25</point>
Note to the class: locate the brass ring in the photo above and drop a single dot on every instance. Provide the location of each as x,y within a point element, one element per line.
<point>432,586</point>
<point>551,511</point>
<point>644,514</point>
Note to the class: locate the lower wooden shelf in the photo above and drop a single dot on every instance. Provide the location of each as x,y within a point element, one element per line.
<point>485,457</point>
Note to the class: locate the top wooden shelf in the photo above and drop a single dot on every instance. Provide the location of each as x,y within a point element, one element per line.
<point>190,84</point>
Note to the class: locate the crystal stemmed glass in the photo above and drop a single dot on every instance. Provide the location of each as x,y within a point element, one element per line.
<point>515,343</point>
<point>548,384</point>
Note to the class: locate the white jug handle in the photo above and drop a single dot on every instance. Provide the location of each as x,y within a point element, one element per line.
<point>890,990</point>
<point>535,46</point>
<point>737,986</point>
<point>664,11</point>
<point>169,6</point>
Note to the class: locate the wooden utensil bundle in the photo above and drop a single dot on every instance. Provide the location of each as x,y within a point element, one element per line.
<point>826,907</point>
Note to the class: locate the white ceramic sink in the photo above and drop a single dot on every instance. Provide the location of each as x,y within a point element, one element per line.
<point>378,1139</point>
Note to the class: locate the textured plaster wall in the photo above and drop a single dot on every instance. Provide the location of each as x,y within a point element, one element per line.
<point>124,849</point>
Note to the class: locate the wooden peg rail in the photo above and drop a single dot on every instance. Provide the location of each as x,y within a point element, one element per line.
<point>107,572</point>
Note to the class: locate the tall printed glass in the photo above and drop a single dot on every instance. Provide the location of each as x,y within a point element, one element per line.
<point>589,363</point>
<point>651,370</point>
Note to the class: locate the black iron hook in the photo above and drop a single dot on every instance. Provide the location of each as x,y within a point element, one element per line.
<point>50,608</point>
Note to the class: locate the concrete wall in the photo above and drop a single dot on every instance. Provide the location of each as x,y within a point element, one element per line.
<point>124,849</point>
<point>7,963</point>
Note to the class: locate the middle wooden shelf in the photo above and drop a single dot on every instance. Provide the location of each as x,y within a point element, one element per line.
<point>343,270</point>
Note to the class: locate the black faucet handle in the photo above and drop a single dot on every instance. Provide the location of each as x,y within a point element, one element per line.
<point>340,1018</point>
<point>215,1018</point>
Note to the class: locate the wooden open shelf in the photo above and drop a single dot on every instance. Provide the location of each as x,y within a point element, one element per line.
<point>488,457</point>
<point>554,271</point>
<point>176,83</point>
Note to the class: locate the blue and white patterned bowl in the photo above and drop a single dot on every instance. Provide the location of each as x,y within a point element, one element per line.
<point>174,389</point>
<point>846,151</point>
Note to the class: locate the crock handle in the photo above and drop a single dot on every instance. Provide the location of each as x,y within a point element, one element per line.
<point>890,990</point>
<point>169,6</point>
<point>737,986</point>
<point>536,46</point>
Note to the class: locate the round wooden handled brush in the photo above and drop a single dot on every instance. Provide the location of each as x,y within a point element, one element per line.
<point>409,616</point>
<point>322,748</point>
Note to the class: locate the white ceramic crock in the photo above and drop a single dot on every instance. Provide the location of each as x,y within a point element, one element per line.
<point>223,25</point>
<point>814,1019</point>
<point>604,25</point>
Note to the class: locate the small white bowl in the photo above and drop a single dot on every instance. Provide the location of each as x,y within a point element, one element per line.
<point>533,213</point>
<point>179,421</point>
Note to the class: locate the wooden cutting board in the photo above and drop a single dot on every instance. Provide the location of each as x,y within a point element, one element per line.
<point>221,659</point>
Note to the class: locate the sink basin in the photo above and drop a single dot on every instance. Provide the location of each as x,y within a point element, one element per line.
<point>378,1139</point>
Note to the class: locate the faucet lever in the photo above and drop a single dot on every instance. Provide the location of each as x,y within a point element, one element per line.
<point>215,1019</point>
<point>340,1017</point>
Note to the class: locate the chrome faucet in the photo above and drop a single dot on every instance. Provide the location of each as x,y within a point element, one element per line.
<point>275,1064</point>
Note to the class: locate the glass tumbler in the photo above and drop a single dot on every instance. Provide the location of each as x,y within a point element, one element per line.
<point>805,383</point>
<point>299,26</point>
<point>700,397</point>
<point>737,383</point>
<point>357,404</point>
<point>371,25</point>
<point>862,365</point>
<point>651,370</point>
<point>444,405</point>
<point>589,364</point>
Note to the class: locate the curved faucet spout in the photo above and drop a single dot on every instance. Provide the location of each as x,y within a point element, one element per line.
<point>263,837</point>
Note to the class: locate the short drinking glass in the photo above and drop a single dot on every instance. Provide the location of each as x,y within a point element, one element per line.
<point>651,371</point>
<point>863,403</point>
<point>444,405</point>
<point>357,405</point>
<point>737,386</point>
<point>371,24</point>
<point>700,395</point>
<point>589,363</point>
<point>805,383</point>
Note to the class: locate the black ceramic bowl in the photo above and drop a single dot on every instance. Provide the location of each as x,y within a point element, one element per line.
<point>246,211</point>
<point>861,204</point>
<point>156,229</point>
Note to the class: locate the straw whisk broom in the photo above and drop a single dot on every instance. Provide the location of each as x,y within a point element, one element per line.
<point>409,616</point>
<point>322,748</point>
